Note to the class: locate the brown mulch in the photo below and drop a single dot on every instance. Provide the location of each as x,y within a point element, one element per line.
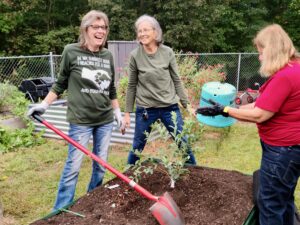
<point>205,196</point>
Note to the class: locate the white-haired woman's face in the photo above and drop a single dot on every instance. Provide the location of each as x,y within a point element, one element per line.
<point>146,33</point>
<point>96,34</point>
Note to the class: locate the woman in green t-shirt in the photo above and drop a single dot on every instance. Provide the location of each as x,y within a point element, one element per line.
<point>154,86</point>
<point>87,72</point>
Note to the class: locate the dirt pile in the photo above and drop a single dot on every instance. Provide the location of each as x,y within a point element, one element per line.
<point>205,196</point>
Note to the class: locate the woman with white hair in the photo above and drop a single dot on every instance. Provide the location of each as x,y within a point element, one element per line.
<point>277,115</point>
<point>87,72</point>
<point>154,86</point>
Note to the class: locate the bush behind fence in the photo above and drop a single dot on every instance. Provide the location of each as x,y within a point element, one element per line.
<point>241,69</point>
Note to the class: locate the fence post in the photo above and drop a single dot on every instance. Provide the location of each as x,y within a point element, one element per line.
<point>51,66</point>
<point>238,72</point>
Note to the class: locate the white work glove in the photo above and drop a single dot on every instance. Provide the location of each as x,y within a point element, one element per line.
<point>118,116</point>
<point>38,108</point>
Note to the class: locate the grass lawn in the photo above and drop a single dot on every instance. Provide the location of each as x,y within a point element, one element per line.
<point>29,176</point>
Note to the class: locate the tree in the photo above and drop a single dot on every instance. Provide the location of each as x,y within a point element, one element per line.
<point>40,26</point>
<point>210,25</point>
<point>288,21</point>
<point>122,14</point>
<point>29,20</point>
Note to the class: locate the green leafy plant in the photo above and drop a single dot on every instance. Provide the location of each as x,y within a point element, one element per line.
<point>10,140</point>
<point>174,156</point>
<point>14,104</point>
<point>5,91</point>
<point>12,101</point>
<point>122,88</point>
<point>144,166</point>
<point>194,76</point>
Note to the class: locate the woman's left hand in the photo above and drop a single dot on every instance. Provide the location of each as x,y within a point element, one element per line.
<point>191,110</point>
<point>118,116</point>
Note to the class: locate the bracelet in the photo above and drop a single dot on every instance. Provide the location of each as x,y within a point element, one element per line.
<point>226,109</point>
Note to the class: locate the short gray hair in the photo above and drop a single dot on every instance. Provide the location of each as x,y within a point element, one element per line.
<point>86,21</point>
<point>154,23</point>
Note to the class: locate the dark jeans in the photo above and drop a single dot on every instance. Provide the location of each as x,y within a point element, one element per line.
<point>144,125</point>
<point>279,173</point>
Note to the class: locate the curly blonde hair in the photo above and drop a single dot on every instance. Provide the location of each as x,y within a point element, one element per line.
<point>277,49</point>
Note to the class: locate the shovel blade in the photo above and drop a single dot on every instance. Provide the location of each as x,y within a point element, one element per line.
<point>166,211</point>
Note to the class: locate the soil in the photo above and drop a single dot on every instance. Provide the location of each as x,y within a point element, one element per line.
<point>205,196</point>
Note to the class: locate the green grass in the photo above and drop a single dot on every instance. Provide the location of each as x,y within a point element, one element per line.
<point>29,177</point>
<point>236,148</point>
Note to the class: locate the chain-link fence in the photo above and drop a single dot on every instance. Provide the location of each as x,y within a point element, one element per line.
<point>241,69</point>
<point>19,68</point>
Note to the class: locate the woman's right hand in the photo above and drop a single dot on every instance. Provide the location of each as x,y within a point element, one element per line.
<point>38,108</point>
<point>126,122</point>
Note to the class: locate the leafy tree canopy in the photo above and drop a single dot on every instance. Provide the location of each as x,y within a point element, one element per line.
<point>31,27</point>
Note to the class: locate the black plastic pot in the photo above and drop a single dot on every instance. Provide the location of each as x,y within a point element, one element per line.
<point>36,88</point>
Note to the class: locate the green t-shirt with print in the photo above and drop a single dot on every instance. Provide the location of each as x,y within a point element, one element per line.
<point>89,79</point>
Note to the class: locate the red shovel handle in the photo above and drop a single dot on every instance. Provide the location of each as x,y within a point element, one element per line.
<point>137,187</point>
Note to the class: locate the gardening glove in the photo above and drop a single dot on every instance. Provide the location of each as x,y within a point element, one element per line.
<point>118,116</point>
<point>38,108</point>
<point>214,110</point>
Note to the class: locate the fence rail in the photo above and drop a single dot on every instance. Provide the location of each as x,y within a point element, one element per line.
<point>241,69</point>
<point>56,115</point>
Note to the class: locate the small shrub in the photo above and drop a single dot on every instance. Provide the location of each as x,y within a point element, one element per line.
<point>12,100</point>
<point>194,76</point>
<point>11,140</point>
<point>122,88</point>
<point>172,157</point>
<point>142,166</point>
<point>14,104</point>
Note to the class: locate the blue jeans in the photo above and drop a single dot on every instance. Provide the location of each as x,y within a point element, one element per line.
<point>143,125</point>
<point>81,134</point>
<point>279,173</point>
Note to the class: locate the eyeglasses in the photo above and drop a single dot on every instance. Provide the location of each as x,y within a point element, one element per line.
<point>144,30</point>
<point>97,27</point>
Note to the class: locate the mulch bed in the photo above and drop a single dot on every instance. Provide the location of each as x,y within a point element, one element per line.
<point>205,196</point>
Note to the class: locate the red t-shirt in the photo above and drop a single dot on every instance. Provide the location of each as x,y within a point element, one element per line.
<point>281,94</point>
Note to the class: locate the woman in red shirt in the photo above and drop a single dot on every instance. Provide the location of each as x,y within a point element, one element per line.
<point>277,115</point>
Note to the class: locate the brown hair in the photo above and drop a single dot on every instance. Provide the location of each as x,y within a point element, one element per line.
<point>86,21</point>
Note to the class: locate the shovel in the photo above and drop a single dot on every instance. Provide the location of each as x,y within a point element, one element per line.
<point>164,209</point>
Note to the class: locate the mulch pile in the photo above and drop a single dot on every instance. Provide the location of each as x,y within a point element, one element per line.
<point>205,196</point>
